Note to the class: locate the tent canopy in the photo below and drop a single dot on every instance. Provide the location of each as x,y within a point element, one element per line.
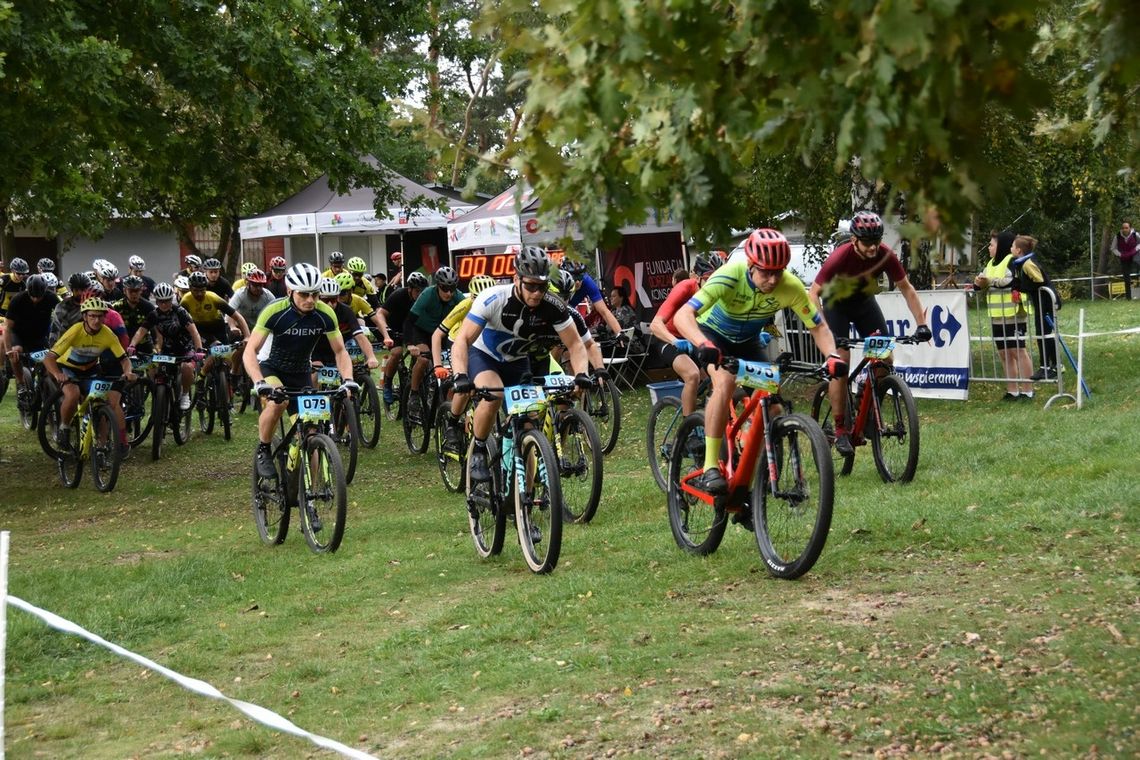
<point>318,210</point>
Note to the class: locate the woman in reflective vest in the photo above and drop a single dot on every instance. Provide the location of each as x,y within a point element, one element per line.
<point>1007,317</point>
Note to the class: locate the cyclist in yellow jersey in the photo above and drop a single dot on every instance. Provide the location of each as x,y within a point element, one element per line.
<point>727,317</point>
<point>362,285</point>
<point>447,330</point>
<point>210,312</point>
<point>363,310</point>
<point>336,265</point>
<point>246,268</point>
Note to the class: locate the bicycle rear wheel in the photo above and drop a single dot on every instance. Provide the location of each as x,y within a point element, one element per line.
<point>579,464</point>
<point>603,404</point>
<point>347,429</point>
<point>792,520</point>
<point>48,424</point>
<point>661,431</point>
<point>26,405</point>
<point>369,412</point>
<point>138,414</point>
<point>821,413</point>
<point>698,527</point>
<point>894,442</point>
<point>538,503</point>
<point>452,458</point>
<point>321,495</point>
<point>270,507</point>
<point>106,450</point>
<point>486,512</point>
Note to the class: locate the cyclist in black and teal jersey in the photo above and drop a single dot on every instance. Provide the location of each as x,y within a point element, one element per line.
<point>296,322</point>
<point>427,313</point>
<point>395,315</point>
<point>727,317</point>
<point>442,338</point>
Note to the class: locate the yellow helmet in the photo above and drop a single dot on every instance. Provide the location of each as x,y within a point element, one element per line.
<point>479,283</point>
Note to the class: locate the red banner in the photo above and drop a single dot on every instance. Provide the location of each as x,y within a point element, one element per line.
<point>644,266</point>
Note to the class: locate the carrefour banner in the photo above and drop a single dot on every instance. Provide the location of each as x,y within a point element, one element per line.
<point>940,368</point>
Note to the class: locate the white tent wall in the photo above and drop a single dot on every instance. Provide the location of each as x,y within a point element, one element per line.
<point>158,247</point>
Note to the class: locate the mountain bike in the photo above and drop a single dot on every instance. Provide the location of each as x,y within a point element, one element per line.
<point>35,387</point>
<point>419,409</point>
<point>165,413</point>
<point>524,469</point>
<point>136,402</point>
<point>778,471</point>
<point>887,418</point>
<point>665,419</point>
<point>602,403</point>
<point>343,426</point>
<point>212,396</point>
<point>310,476</point>
<point>95,437</point>
<point>577,447</point>
<point>401,379</point>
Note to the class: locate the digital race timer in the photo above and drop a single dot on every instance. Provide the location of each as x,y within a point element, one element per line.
<point>498,265</point>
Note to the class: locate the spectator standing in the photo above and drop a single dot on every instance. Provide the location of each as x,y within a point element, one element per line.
<point>1007,316</point>
<point>1125,246</point>
<point>1033,282</point>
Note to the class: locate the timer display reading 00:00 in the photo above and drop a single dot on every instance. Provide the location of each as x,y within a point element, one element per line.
<point>498,265</point>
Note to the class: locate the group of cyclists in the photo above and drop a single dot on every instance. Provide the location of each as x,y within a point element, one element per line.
<point>496,335</point>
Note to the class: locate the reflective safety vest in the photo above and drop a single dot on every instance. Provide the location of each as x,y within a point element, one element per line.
<point>999,296</point>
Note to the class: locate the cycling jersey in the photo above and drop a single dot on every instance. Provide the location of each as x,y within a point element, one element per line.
<point>678,297</point>
<point>220,287</point>
<point>249,307</point>
<point>66,314</point>
<point>454,319</point>
<point>589,289</point>
<point>295,333</point>
<point>8,290</point>
<point>732,306</point>
<point>134,317</point>
<point>211,309</point>
<point>429,309</point>
<point>847,277</point>
<point>31,321</point>
<point>398,307</point>
<point>172,327</point>
<point>360,307</point>
<point>79,350</point>
<point>512,330</point>
<point>347,324</point>
<point>276,286</point>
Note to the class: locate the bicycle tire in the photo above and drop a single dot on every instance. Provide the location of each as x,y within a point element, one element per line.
<point>416,428</point>
<point>697,527</point>
<point>27,410</point>
<point>660,432</point>
<point>791,526</point>
<point>270,506</point>
<point>48,424</point>
<point>4,380</point>
<point>140,420</point>
<point>535,509</point>
<point>159,409</point>
<point>319,454</point>
<point>369,412</point>
<point>452,464</point>
<point>68,463</point>
<point>486,512</point>
<point>580,465</point>
<point>895,442</point>
<point>821,413</point>
<point>395,410</point>
<point>346,425</point>
<point>106,449</point>
<point>181,420</point>
<point>222,401</point>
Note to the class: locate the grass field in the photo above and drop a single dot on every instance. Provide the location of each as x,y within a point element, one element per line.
<point>988,609</point>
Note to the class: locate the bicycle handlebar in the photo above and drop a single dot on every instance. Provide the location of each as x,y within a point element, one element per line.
<point>855,342</point>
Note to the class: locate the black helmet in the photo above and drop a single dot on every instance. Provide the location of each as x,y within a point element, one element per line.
<point>445,277</point>
<point>78,282</point>
<point>18,266</point>
<point>867,226</point>
<point>37,286</point>
<point>533,262</point>
<point>704,264</point>
<point>576,268</point>
<point>564,282</point>
<point>133,281</point>
<point>198,280</point>
<point>336,257</point>
<point>418,280</point>
<point>45,265</point>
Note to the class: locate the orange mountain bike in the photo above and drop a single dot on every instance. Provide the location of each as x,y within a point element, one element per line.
<point>779,473</point>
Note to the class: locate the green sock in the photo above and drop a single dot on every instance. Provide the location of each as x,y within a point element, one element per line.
<point>712,451</point>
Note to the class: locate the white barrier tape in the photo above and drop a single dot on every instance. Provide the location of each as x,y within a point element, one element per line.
<point>1129,331</point>
<point>259,714</point>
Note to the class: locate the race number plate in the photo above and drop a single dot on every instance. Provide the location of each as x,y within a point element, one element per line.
<point>522,399</point>
<point>222,350</point>
<point>328,377</point>
<point>314,408</point>
<point>163,359</point>
<point>355,352</point>
<point>558,381</point>
<point>878,346</point>
<point>38,356</point>
<point>99,388</point>
<point>762,375</point>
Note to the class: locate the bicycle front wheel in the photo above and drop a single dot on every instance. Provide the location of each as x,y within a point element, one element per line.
<point>222,400</point>
<point>139,415</point>
<point>416,424</point>
<point>48,424</point>
<point>204,404</point>
<point>106,451</point>
<point>486,513</point>
<point>697,526</point>
<point>270,507</point>
<point>895,441</point>
<point>321,494</point>
<point>792,514</point>
<point>538,502</point>
<point>603,404</point>
<point>159,409</point>
<point>26,406</point>
<point>660,434</point>
<point>821,412</point>
<point>579,465</point>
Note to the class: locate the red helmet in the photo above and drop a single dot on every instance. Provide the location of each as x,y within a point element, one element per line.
<point>278,262</point>
<point>767,249</point>
<point>257,277</point>
<point>867,226</point>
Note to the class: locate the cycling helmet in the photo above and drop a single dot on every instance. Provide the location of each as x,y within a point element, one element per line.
<point>45,265</point>
<point>192,261</point>
<point>329,288</point>
<point>78,282</point>
<point>305,278</point>
<point>479,283</point>
<point>136,262</point>
<point>418,280</point>
<point>95,288</point>
<point>182,282</point>
<point>356,265</point>
<point>705,263</point>
<point>247,267</point>
<point>163,292</point>
<point>445,277</point>
<point>18,266</point>
<point>51,280</point>
<point>345,281</point>
<point>533,262</point>
<point>867,226</point>
<point>577,269</point>
<point>256,277</point>
<point>212,263</point>
<point>336,258</point>
<point>767,249</point>
<point>564,282</point>
<point>104,268</point>
<point>93,303</point>
<point>197,280</point>
<point>397,256</point>
<point>278,262</point>
<point>37,286</point>
<point>133,281</point>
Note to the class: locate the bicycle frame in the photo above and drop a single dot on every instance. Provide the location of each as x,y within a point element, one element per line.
<point>875,361</point>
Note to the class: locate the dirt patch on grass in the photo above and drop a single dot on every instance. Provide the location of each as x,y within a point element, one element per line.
<point>846,607</point>
<point>135,558</point>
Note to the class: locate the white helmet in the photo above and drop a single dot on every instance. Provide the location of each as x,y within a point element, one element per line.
<point>163,292</point>
<point>182,282</point>
<point>329,288</point>
<point>104,268</point>
<point>50,279</point>
<point>136,262</point>
<point>305,278</point>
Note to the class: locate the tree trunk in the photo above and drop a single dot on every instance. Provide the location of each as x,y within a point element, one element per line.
<point>7,235</point>
<point>435,96</point>
<point>1100,288</point>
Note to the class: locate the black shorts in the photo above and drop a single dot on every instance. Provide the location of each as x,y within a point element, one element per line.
<point>1009,334</point>
<point>28,346</point>
<point>669,352</point>
<point>419,337</point>
<point>750,351</point>
<point>864,315</point>
<point>511,373</point>
<point>213,333</point>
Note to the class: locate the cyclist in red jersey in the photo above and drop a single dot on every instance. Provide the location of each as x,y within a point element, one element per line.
<point>676,350</point>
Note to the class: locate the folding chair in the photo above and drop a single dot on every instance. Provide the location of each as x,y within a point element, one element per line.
<point>614,364</point>
<point>636,356</point>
